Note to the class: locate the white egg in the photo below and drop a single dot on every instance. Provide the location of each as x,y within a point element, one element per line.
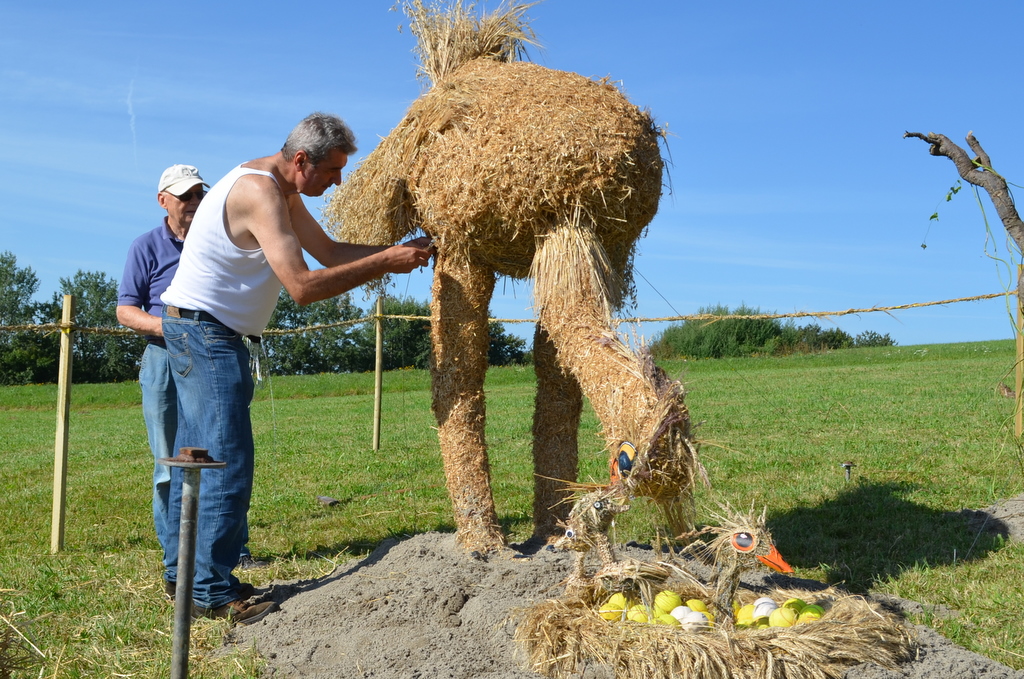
<point>763,600</point>
<point>694,621</point>
<point>763,610</point>
<point>679,611</point>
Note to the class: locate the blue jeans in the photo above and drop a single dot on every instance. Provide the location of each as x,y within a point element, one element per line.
<point>160,410</point>
<point>210,366</point>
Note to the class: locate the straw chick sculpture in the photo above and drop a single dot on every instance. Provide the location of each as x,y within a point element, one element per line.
<point>522,171</point>
<point>741,542</point>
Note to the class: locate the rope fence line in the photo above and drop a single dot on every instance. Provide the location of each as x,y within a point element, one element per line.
<point>66,327</point>
<point>47,328</point>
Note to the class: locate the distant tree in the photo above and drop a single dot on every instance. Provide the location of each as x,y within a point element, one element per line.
<point>406,342</point>
<point>26,357</point>
<point>330,350</point>
<point>354,348</point>
<point>505,348</point>
<point>98,357</point>
<point>17,285</point>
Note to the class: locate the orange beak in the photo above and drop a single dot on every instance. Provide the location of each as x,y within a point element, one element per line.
<point>775,561</point>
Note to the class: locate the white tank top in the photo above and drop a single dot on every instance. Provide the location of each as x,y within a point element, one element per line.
<point>214,275</point>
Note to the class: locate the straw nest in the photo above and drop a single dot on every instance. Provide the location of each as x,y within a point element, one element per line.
<point>497,155</point>
<point>559,637</point>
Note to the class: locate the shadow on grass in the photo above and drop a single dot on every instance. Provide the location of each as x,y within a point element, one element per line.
<point>871,532</point>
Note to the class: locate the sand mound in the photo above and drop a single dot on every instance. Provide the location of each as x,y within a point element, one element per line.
<point>422,608</point>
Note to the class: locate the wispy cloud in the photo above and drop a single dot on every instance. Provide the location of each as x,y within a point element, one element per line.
<point>131,123</point>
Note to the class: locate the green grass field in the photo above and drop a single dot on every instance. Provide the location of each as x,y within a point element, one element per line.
<point>925,425</point>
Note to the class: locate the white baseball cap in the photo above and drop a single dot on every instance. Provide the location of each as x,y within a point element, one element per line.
<point>177,179</point>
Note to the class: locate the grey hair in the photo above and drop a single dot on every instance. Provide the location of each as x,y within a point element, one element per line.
<point>318,134</point>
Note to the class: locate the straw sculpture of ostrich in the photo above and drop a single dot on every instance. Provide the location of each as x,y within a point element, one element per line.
<point>522,171</point>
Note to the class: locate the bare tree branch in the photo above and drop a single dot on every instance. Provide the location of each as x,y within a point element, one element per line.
<point>978,171</point>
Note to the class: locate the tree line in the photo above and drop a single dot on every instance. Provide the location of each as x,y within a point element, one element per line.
<point>30,357</point>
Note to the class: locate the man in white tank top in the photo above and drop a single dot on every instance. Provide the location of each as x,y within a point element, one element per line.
<point>245,243</point>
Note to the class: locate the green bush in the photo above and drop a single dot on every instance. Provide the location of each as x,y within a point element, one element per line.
<point>870,338</point>
<point>734,337</point>
<point>724,338</point>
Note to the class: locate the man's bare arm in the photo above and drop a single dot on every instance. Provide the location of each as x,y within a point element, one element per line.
<point>256,206</point>
<point>139,320</point>
<point>322,247</point>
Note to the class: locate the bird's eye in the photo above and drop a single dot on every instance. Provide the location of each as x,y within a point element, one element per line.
<point>743,541</point>
<point>570,533</point>
<point>627,453</point>
<point>598,505</point>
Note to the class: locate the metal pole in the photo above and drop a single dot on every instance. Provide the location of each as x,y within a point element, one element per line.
<point>60,448</point>
<point>378,377</point>
<point>191,461</point>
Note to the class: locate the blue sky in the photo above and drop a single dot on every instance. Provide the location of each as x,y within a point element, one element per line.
<point>792,188</point>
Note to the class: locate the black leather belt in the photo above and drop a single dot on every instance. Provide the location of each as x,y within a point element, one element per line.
<point>203,316</point>
<point>192,315</point>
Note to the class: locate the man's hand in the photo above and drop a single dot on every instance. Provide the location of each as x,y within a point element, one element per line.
<point>408,256</point>
<point>423,242</point>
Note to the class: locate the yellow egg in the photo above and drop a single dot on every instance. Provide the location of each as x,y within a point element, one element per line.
<point>637,613</point>
<point>667,619</point>
<point>782,617</point>
<point>796,604</point>
<point>697,605</point>
<point>666,601</point>
<point>745,613</point>
<point>616,605</point>
<point>810,614</point>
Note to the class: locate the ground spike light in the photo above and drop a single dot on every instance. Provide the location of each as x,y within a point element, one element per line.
<point>847,466</point>
<point>191,461</point>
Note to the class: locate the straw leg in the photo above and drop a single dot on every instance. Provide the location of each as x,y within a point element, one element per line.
<point>460,339</point>
<point>556,423</point>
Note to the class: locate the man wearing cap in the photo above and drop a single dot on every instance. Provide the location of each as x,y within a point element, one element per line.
<point>152,261</point>
<point>246,242</point>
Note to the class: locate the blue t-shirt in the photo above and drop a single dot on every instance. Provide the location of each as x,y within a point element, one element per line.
<point>152,260</point>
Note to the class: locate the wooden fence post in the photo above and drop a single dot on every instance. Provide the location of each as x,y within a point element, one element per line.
<point>60,448</point>
<point>1018,411</point>
<point>378,377</point>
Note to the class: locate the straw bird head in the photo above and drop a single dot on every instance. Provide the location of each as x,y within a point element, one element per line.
<point>745,539</point>
<point>591,516</point>
<point>657,455</point>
